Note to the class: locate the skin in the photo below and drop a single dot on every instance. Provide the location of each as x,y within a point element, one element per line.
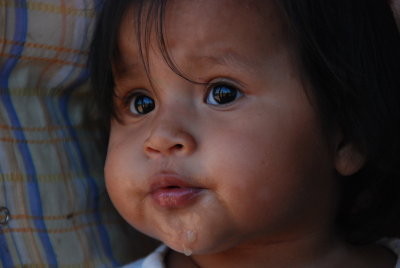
<point>268,172</point>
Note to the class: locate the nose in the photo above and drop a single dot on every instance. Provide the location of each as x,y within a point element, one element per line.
<point>169,138</point>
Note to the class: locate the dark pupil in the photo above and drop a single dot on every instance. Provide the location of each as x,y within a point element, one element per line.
<point>224,94</point>
<point>144,104</point>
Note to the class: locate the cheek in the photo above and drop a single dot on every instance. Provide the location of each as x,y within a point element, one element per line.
<point>124,154</point>
<point>118,184</point>
<point>269,168</point>
<point>122,179</point>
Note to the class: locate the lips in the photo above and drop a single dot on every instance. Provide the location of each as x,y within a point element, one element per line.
<point>172,191</point>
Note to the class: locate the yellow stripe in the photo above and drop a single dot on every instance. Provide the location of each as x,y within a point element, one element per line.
<point>86,264</point>
<point>58,217</point>
<point>14,177</point>
<point>39,92</point>
<point>52,60</point>
<point>43,46</point>
<point>48,141</point>
<point>49,8</point>
<point>54,231</point>
<point>47,128</point>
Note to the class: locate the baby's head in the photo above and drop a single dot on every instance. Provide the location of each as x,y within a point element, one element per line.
<point>239,122</point>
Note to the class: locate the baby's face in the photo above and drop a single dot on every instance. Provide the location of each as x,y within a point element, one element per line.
<point>240,160</point>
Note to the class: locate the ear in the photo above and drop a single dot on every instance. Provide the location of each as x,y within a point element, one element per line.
<point>348,159</point>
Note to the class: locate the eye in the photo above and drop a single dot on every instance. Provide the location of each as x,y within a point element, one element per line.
<point>222,94</point>
<point>141,104</point>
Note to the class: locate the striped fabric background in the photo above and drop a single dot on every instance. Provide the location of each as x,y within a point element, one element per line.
<point>50,163</point>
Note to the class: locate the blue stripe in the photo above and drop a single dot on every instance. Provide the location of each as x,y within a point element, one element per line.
<point>5,255</point>
<point>93,188</point>
<point>21,18</point>
<point>98,4</point>
<point>92,185</point>
<point>89,182</point>
<point>69,147</point>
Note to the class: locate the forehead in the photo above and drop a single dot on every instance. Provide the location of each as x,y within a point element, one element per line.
<point>220,15</point>
<point>208,30</point>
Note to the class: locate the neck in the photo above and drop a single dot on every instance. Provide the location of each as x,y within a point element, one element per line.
<point>280,253</point>
<point>310,251</point>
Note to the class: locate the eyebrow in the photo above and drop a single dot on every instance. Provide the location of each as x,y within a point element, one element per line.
<point>227,58</point>
<point>123,70</point>
<point>223,59</point>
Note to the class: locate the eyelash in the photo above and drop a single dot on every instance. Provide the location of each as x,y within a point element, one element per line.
<point>224,91</point>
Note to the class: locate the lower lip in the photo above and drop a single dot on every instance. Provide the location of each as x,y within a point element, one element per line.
<point>175,197</point>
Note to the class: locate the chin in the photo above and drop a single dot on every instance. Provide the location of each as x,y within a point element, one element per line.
<point>190,242</point>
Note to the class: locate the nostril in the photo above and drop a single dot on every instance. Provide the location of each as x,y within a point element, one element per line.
<point>178,146</point>
<point>167,143</point>
<point>151,150</point>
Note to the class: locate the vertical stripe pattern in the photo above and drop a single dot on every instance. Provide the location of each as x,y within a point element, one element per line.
<point>50,164</point>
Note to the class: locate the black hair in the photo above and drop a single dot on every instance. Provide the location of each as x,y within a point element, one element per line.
<point>349,52</point>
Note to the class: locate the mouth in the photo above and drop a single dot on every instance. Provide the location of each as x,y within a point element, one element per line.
<point>171,191</point>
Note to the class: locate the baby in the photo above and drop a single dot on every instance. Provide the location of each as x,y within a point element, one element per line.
<point>253,133</point>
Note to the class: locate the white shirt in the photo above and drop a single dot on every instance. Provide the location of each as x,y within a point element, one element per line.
<point>156,258</point>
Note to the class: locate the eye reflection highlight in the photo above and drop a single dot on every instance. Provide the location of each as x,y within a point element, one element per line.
<point>222,94</point>
<point>142,104</point>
